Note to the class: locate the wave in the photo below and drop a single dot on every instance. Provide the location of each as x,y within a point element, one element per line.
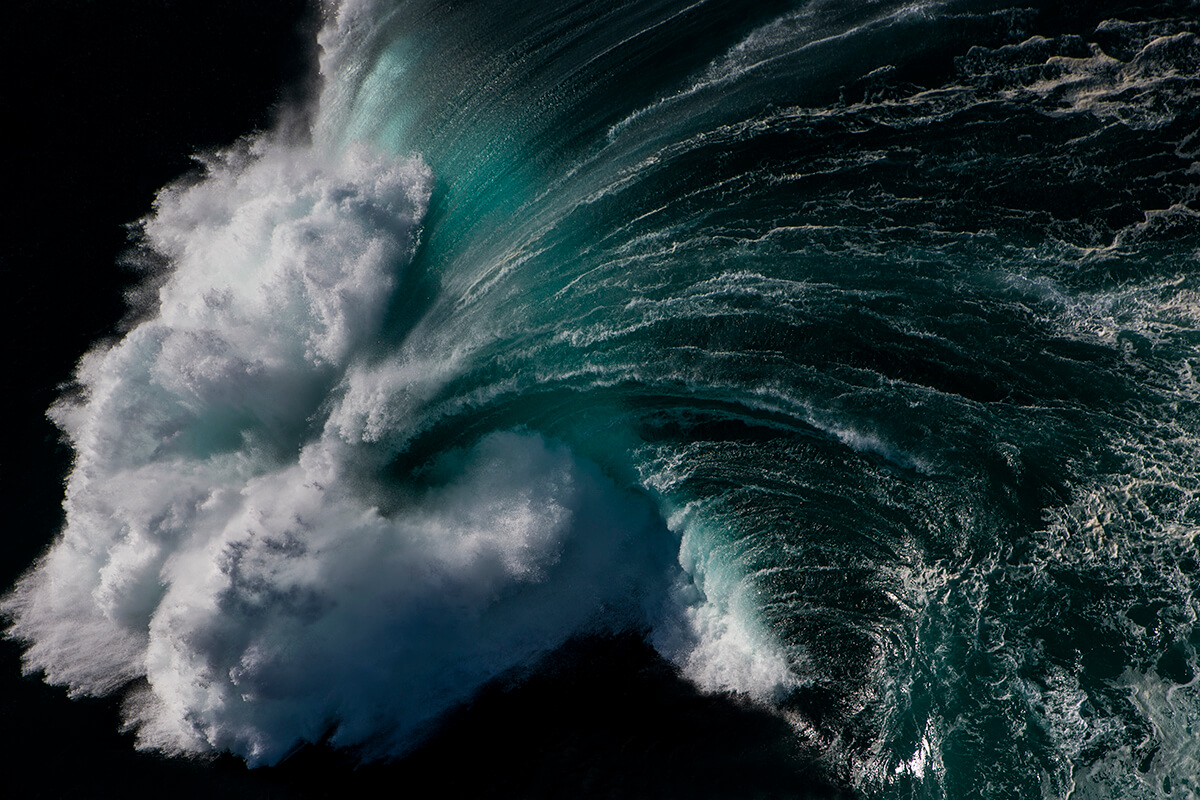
<point>845,352</point>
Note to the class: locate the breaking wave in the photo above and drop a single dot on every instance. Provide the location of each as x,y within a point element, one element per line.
<point>847,352</point>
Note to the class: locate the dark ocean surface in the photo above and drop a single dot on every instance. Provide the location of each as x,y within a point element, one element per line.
<point>641,399</point>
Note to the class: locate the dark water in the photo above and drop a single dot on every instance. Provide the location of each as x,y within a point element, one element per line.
<point>749,399</point>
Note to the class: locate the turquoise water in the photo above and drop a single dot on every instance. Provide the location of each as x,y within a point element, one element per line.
<point>847,352</point>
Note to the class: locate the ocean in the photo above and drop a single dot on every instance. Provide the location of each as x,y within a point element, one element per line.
<point>587,399</point>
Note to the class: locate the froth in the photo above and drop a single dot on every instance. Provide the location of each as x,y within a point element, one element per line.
<point>310,613</point>
<point>231,537</point>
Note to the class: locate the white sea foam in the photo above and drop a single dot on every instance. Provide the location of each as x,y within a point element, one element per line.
<point>711,628</point>
<point>222,541</point>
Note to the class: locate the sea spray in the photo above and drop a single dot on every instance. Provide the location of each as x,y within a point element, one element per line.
<point>227,545</point>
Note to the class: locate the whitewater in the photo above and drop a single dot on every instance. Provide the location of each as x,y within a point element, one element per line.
<point>847,353</point>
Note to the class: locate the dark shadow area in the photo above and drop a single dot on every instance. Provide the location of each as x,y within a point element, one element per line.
<point>601,718</point>
<point>105,104</point>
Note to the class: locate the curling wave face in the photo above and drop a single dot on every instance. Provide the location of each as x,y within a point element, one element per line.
<point>846,349</point>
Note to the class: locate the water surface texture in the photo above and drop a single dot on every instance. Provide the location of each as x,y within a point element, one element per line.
<point>846,352</point>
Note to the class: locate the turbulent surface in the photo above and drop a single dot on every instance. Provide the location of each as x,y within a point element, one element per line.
<point>848,350</point>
